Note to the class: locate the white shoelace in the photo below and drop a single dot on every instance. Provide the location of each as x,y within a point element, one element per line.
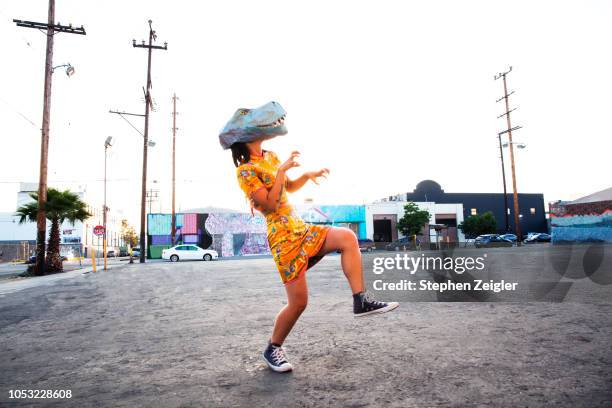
<point>278,355</point>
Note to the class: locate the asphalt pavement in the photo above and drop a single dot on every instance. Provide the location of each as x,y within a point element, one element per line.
<point>192,333</point>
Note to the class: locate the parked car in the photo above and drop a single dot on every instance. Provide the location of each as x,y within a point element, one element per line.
<point>491,240</point>
<point>136,252</point>
<point>111,254</point>
<point>529,235</point>
<point>509,237</point>
<point>124,252</point>
<point>400,244</point>
<point>189,252</point>
<point>542,237</point>
<point>32,259</point>
<point>366,245</point>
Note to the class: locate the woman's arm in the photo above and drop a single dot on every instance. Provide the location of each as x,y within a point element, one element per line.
<point>269,200</point>
<point>295,185</point>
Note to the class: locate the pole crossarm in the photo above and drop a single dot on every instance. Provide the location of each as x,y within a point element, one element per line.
<point>153,47</point>
<point>506,113</point>
<point>510,130</point>
<point>55,27</point>
<point>126,113</point>
<point>504,97</point>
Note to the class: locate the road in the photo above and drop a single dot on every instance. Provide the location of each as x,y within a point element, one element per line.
<point>191,334</point>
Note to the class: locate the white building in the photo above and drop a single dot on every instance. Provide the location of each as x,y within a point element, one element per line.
<point>382,217</point>
<point>74,238</point>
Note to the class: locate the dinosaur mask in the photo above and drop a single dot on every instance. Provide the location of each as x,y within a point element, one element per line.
<point>249,125</point>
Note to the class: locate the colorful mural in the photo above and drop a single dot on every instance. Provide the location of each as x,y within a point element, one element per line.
<point>584,222</point>
<point>240,234</point>
<point>236,234</point>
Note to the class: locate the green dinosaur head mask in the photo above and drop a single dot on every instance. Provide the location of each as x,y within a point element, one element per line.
<point>249,125</point>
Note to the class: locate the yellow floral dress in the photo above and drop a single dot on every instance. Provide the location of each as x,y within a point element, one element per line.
<point>293,242</point>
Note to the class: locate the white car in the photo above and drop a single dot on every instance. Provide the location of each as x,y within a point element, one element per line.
<point>188,252</point>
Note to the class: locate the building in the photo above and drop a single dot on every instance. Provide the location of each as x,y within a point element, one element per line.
<point>532,213</point>
<point>75,239</point>
<point>232,233</point>
<point>587,219</point>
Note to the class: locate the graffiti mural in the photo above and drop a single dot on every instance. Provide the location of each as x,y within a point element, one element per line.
<point>242,234</point>
<point>230,234</point>
<point>237,234</point>
<point>585,222</point>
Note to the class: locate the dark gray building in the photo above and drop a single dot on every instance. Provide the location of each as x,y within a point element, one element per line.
<point>532,212</point>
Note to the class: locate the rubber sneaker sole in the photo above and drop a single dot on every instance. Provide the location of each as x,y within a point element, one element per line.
<point>388,308</point>
<point>282,369</point>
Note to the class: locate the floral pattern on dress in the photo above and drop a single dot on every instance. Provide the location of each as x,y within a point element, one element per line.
<point>292,241</point>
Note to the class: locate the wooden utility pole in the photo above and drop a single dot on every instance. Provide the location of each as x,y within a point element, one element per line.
<point>509,129</point>
<point>41,217</point>
<point>148,102</point>
<point>173,233</point>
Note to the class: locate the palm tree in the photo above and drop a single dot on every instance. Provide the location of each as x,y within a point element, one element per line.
<point>60,206</point>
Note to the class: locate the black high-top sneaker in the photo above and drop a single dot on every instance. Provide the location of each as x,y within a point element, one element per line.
<point>276,359</point>
<point>364,304</point>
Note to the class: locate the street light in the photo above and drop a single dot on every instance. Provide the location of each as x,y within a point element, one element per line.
<point>518,145</point>
<point>107,144</point>
<point>69,69</point>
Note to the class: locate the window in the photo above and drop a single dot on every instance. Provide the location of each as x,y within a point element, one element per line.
<point>508,211</point>
<point>532,211</point>
<point>474,211</point>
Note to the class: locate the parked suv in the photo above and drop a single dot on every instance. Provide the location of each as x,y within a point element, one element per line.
<point>491,240</point>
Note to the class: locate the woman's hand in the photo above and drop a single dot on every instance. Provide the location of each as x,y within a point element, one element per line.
<point>314,175</point>
<point>291,162</point>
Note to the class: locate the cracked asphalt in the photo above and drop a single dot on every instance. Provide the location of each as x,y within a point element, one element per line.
<point>191,335</point>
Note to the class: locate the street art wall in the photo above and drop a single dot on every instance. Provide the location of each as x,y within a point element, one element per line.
<point>586,222</point>
<point>238,234</point>
<point>229,234</point>
<point>349,216</point>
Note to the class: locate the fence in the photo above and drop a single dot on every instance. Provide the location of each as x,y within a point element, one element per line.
<point>20,251</point>
<point>16,251</point>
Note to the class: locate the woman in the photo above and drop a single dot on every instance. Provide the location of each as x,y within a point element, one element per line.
<point>295,245</point>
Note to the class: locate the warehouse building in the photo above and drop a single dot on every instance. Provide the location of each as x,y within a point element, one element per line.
<point>532,214</point>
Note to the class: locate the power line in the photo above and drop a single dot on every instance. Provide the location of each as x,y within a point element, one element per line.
<point>19,113</point>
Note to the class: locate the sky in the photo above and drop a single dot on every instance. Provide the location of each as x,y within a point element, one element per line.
<point>383,93</point>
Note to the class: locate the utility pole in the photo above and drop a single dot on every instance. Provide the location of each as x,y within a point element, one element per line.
<point>152,195</point>
<point>148,102</point>
<point>503,167</point>
<point>509,129</point>
<point>173,233</point>
<point>107,144</point>
<point>41,217</point>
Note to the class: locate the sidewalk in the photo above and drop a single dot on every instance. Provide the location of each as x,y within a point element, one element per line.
<point>15,285</point>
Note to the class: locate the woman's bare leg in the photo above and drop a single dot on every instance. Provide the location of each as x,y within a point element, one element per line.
<point>297,299</point>
<point>344,239</point>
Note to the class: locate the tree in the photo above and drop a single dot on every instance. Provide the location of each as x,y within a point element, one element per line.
<point>476,225</point>
<point>128,234</point>
<point>413,220</point>
<point>60,206</point>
